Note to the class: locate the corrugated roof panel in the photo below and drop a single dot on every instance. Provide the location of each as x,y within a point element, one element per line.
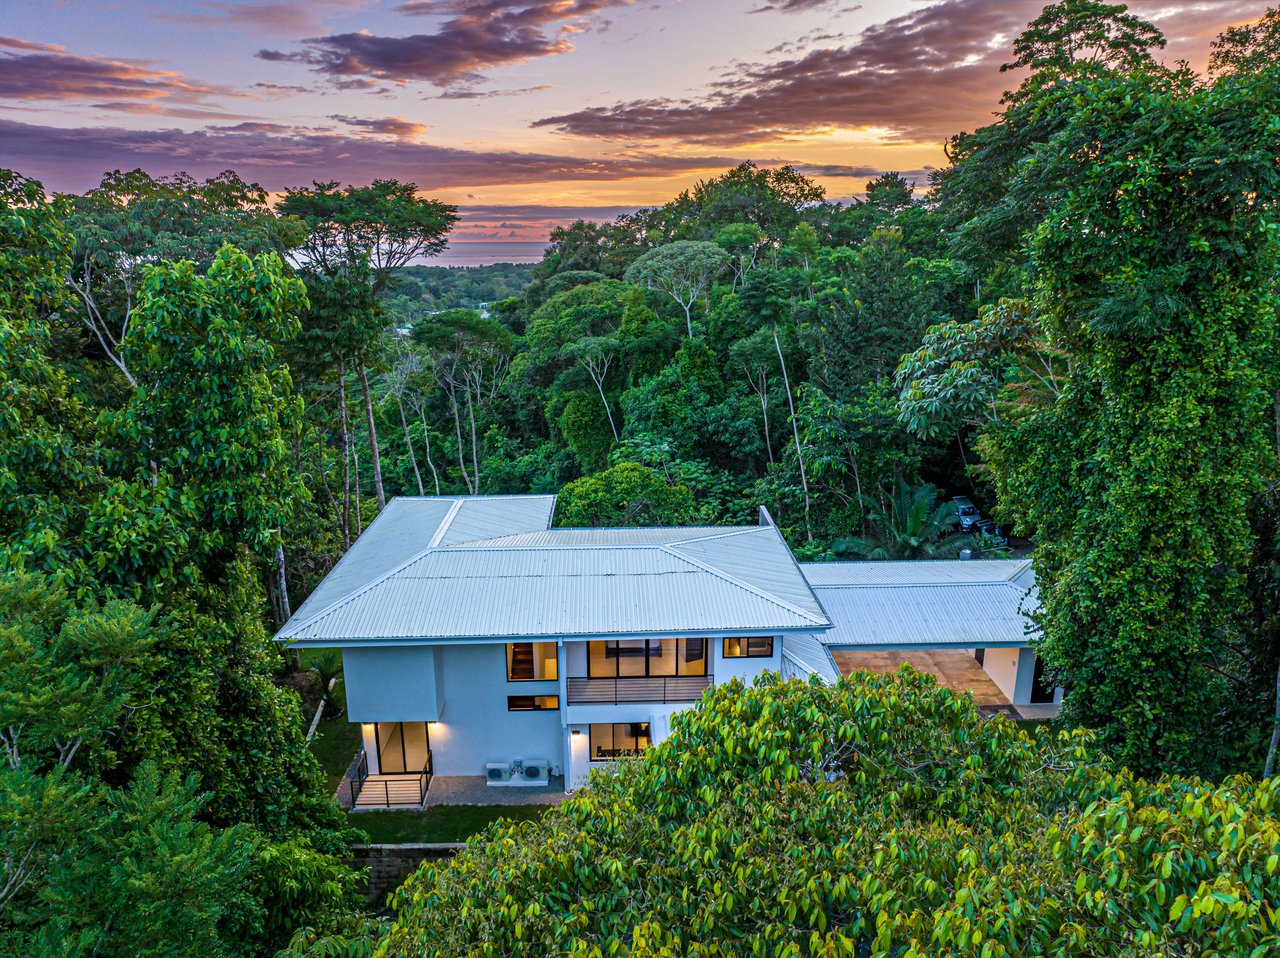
<point>960,614</point>
<point>402,530</point>
<point>495,607</point>
<point>811,655</point>
<point>468,563</point>
<point>600,537</point>
<point>531,581</point>
<point>483,517</point>
<point>922,571</point>
<point>765,562</point>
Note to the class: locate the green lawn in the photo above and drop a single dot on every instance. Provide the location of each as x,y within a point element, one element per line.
<point>336,741</point>
<point>440,823</point>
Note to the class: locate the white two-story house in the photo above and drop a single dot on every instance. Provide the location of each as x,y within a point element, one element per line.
<point>476,637</point>
<point>477,640</point>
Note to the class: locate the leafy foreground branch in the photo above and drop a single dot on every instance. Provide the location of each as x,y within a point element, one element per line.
<point>883,816</point>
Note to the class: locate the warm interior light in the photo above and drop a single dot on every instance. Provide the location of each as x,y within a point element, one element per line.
<point>576,731</point>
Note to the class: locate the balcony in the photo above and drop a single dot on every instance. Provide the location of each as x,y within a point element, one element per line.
<point>637,691</point>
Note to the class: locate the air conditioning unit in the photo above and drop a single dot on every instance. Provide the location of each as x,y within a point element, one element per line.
<point>530,771</point>
<point>497,773</point>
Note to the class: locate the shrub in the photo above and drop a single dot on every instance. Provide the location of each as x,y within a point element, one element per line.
<point>881,816</point>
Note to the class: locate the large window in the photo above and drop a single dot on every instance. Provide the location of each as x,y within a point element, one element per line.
<point>756,647</point>
<point>533,703</point>
<point>403,747</point>
<point>531,662</point>
<point>632,658</point>
<point>618,739</point>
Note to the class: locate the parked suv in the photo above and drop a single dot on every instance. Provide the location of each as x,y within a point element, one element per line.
<point>967,513</point>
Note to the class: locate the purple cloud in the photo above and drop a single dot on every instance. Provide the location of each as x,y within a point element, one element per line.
<point>44,71</point>
<point>395,126</point>
<point>73,160</point>
<point>478,35</point>
<point>921,76</point>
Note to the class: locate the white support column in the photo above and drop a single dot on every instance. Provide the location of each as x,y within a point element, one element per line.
<point>369,732</point>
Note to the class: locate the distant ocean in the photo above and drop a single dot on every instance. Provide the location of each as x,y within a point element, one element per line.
<point>485,252</point>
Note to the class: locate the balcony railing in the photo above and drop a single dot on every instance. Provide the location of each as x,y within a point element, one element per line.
<point>384,791</point>
<point>638,690</point>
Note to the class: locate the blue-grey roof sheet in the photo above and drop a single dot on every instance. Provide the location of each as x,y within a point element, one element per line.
<point>808,655</point>
<point>926,604</point>
<point>408,524</point>
<point>575,582</point>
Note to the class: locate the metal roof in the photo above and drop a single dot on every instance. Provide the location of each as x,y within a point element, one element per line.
<point>926,604</point>
<point>408,524</point>
<point>805,655</point>
<point>527,581</point>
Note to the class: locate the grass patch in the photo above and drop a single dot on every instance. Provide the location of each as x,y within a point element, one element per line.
<point>439,823</point>
<point>336,741</point>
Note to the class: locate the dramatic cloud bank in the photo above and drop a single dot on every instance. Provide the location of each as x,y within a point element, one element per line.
<point>478,35</point>
<point>73,160</point>
<point>45,71</point>
<point>919,77</point>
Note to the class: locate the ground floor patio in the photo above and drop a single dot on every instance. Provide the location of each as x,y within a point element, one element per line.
<point>955,668</point>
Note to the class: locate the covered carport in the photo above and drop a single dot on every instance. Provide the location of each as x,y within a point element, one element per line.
<point>967,622</point>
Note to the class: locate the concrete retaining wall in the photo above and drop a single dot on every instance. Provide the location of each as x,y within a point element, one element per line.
<point>390,865</point>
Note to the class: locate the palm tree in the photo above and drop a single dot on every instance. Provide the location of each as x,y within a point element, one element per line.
<point>914,526</point>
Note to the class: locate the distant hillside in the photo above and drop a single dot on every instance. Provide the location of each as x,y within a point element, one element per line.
<point>450,287</point>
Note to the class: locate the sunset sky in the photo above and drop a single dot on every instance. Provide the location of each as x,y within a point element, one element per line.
<point>525,113</point>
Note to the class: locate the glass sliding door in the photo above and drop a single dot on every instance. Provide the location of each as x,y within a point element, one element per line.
<point>403,748</point>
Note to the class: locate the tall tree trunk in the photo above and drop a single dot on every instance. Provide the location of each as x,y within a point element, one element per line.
<point>1270,768</point>
<point>475,445</point>
<point>282,590</point>
<point>457,430</point>
<point>607,411</point>
<point>346,454</point>
<point>795,433</point>
<point>355,459</point>
<point>374,458</point>
<point>426,435</point>
<point>688,317</point>
<point>413,458</point>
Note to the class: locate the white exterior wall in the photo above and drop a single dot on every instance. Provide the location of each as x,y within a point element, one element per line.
<point>1014,671</point>
<point>391,684</point>
<point>475,728</point>
<point>745,669</point>
<point>462,691</point>
<point>1003,667</point>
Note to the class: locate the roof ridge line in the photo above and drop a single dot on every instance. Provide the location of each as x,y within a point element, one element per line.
<point>747,587</point>
<point>445,523</point>
<point>395,570</point>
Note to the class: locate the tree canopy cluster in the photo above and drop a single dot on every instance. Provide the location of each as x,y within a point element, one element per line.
<point>883,816</point>
<point>205,397</point>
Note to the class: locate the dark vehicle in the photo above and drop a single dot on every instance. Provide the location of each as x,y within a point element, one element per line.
<point>966,512</point>
<point>987,529</point>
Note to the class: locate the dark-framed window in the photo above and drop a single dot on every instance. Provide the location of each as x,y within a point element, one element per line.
<point>533,703</point>
<point>636,658</point>
<point>753,647</point>
<point>532,662</point>
<point>614,740</point>
<point>403,747</point>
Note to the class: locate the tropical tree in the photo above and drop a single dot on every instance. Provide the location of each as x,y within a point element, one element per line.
<point>1176,181</point>
<point>880,816</point>
<point>684,270</point>
<point>356,237</point>
<point>909,524</point>
<point>627,494</point>
<point>133,220</point>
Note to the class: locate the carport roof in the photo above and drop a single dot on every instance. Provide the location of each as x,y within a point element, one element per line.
<point>978,603</point>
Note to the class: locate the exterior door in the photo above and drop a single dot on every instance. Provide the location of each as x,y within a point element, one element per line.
<point>404,748</point>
